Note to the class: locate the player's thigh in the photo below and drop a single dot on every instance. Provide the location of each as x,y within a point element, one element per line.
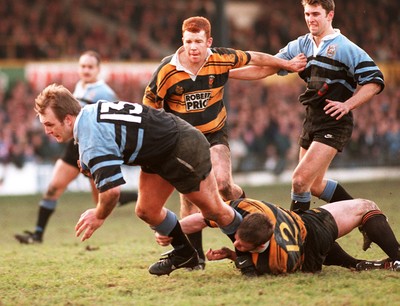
<point>315,162</point>
<point>152,196</point>
<point>208,200</point>
<point>347,214</point>
<point>187,207</point>
<point>221,162</point>
<point>63,174</point>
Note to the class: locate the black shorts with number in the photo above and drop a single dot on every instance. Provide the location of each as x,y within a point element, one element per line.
<point>322,232</point>
<point>71,154</point>
<point>320,127</point>
<point>188,164</point>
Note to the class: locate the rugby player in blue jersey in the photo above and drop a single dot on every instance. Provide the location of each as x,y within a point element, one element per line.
<point>335,68</point>
<point>172,154</point>
<point>88,90</point>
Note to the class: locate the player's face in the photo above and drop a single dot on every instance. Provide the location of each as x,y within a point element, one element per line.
<point>195,45</point>
<point>318,22</point>
<point>242,245</point>
<point>88,69</point>
<point>61,131</point>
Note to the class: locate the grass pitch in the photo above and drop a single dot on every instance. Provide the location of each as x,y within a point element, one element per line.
<point>111,267</point>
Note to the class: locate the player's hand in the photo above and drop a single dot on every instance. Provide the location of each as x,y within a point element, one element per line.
<point>88,223</point>
<point>163,240</point>
<point>222,253</point>
<point>298,63</point>
<point>336,109</point>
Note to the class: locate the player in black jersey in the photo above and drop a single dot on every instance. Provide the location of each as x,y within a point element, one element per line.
<point>172,155</point>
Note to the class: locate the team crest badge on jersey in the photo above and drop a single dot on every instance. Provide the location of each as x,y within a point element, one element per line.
<point>211,79</point>
<point>179,90</point>
<point>197,100</point>
<point>331,50</point>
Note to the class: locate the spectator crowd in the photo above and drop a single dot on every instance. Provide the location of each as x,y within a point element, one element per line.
<point>149,29</point>
<point>264,118</point>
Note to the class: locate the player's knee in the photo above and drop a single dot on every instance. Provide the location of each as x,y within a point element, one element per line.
<point>142,214</point>
<point>367,205</point>
<point>226,189</point>
<point>298,184</point>
<point>53,191</point>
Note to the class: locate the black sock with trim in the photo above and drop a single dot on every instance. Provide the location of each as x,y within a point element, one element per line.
<point>196,239</point>
<point>375,225</point>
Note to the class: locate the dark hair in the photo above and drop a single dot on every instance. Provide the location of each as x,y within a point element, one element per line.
<point>327,5</point>
<point>59,99</point>
<point>256,229</point>
<point>197,24</point>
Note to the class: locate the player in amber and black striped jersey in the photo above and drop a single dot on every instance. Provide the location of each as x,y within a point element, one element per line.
<point>273,240</point>
<point>190,84</point>
<point>285,250</point>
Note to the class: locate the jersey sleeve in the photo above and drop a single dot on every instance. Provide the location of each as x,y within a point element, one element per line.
<point>366,71</point>
<point>291,50</point>
<point>97,152</point>
<point>155,92</point>
<point>230,57</point>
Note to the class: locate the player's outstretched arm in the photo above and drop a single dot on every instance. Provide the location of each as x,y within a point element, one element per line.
<point>254,72</point>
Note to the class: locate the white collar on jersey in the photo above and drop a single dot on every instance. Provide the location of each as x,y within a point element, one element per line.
<point>261,248</point>
<point>175,60</point>
<point>326,38</point>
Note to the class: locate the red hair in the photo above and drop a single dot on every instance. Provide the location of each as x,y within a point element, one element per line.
<point>197,24</point>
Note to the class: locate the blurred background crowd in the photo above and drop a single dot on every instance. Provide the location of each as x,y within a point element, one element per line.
<point>264,117</point>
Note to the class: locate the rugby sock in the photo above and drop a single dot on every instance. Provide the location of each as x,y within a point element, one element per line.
<point>340,194</point>
<point>126,197</point>
<point>377,228</point>
<point>172,228</point>
<point>338,257</point>
<point>232,227</point>
<point>180,242</point>
<point>44,215</point>
<point>300,201</point>
<point>196,239</point>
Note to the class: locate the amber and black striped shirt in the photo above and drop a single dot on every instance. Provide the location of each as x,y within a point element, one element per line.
<point>285,253</point>
<point>197,99</point>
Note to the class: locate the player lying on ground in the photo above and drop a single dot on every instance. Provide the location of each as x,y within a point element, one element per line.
<point>271,240</point>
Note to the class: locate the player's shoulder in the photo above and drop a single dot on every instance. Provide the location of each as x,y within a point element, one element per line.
<point>223,51</point>
<point>165,65</point>
<point>166,60</point>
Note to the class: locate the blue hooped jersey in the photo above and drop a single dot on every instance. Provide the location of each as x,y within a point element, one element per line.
<point>334,69</point>
<point>93,92</point>
<point>110,134</point>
